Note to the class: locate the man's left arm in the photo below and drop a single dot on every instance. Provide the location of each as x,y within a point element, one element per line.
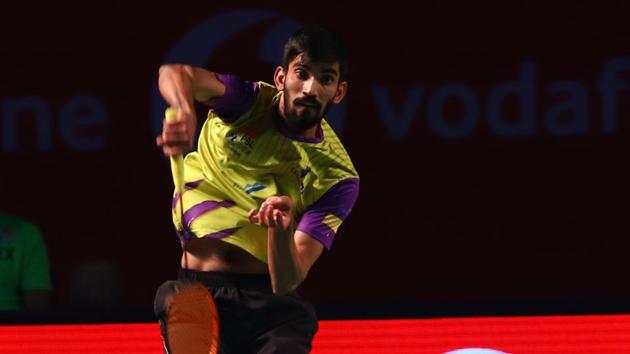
<point>292,252</point>
<point>290,256</point>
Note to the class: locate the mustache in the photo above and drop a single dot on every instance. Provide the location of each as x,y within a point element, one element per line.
<point>307,101</point>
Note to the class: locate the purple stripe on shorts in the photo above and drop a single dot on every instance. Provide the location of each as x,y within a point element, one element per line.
<point>204,207</point>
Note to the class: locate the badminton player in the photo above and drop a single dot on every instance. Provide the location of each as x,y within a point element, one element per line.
<point>265,192</point>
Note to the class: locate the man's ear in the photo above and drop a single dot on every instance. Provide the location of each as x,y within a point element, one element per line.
<point>341,92</point>
<point>278,78</point>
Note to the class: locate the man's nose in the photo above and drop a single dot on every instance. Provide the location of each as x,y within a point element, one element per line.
<point>311,87</point>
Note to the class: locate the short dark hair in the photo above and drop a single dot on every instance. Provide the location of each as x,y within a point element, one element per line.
<point>319,44</point>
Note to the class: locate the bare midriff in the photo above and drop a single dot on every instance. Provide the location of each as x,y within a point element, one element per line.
<point>208,254</point>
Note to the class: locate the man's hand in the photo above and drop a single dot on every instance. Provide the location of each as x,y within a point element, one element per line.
<point>178,135</point>
<point>177,86</point>
<point>285,266</point>
<point>275,212</point>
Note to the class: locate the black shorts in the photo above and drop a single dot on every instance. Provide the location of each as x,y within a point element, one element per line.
<point>252,318</point>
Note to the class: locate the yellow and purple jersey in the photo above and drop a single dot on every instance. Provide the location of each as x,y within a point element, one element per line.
<point>245,155</point>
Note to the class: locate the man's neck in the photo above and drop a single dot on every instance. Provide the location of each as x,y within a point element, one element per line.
<point>310,133</point>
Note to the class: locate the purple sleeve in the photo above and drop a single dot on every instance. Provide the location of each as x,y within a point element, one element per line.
<point>238,98</point>
<point>322,219</point>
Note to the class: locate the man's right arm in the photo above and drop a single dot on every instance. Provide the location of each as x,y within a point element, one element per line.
<point>180,85</point>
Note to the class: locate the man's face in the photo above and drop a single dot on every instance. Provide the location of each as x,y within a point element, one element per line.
<point>308,90</point>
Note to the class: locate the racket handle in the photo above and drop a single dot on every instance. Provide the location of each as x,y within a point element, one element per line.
<point>177,161</point>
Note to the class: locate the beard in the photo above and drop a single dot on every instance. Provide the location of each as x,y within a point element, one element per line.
<point>311,114</point>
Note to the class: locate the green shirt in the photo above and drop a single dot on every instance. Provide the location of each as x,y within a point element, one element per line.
<point>23,261</point>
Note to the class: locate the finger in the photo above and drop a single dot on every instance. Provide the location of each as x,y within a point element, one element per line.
<point>174,137</point>
<point>174,122</point>
<point>174,126</point>
<point>253,216</point>
<point>184,124</point>
<point>280,202</point>
<point>172,150</point>
<point>272,218</point>
<point>265,210</point>
<point>176,134</point>
<point>262,213</point>
<point>255,219</point>
<point>174,140</point>
<point>278,218</point>
<point>178,144</point>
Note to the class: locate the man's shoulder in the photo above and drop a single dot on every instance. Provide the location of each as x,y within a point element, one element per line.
<point>267,86</point>
<point>336,148</point>
<point>11,225</point>
<point>14,221</point>
<point>266,98</point>
<point>266,91</point>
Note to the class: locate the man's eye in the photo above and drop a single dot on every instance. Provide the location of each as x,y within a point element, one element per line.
<point>327,80</point>
<point>302,74</point>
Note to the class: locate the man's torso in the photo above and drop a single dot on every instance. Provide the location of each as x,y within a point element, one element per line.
<point>238,166</point>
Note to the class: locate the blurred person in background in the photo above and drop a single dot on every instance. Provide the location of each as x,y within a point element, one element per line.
<point>25,282</point>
